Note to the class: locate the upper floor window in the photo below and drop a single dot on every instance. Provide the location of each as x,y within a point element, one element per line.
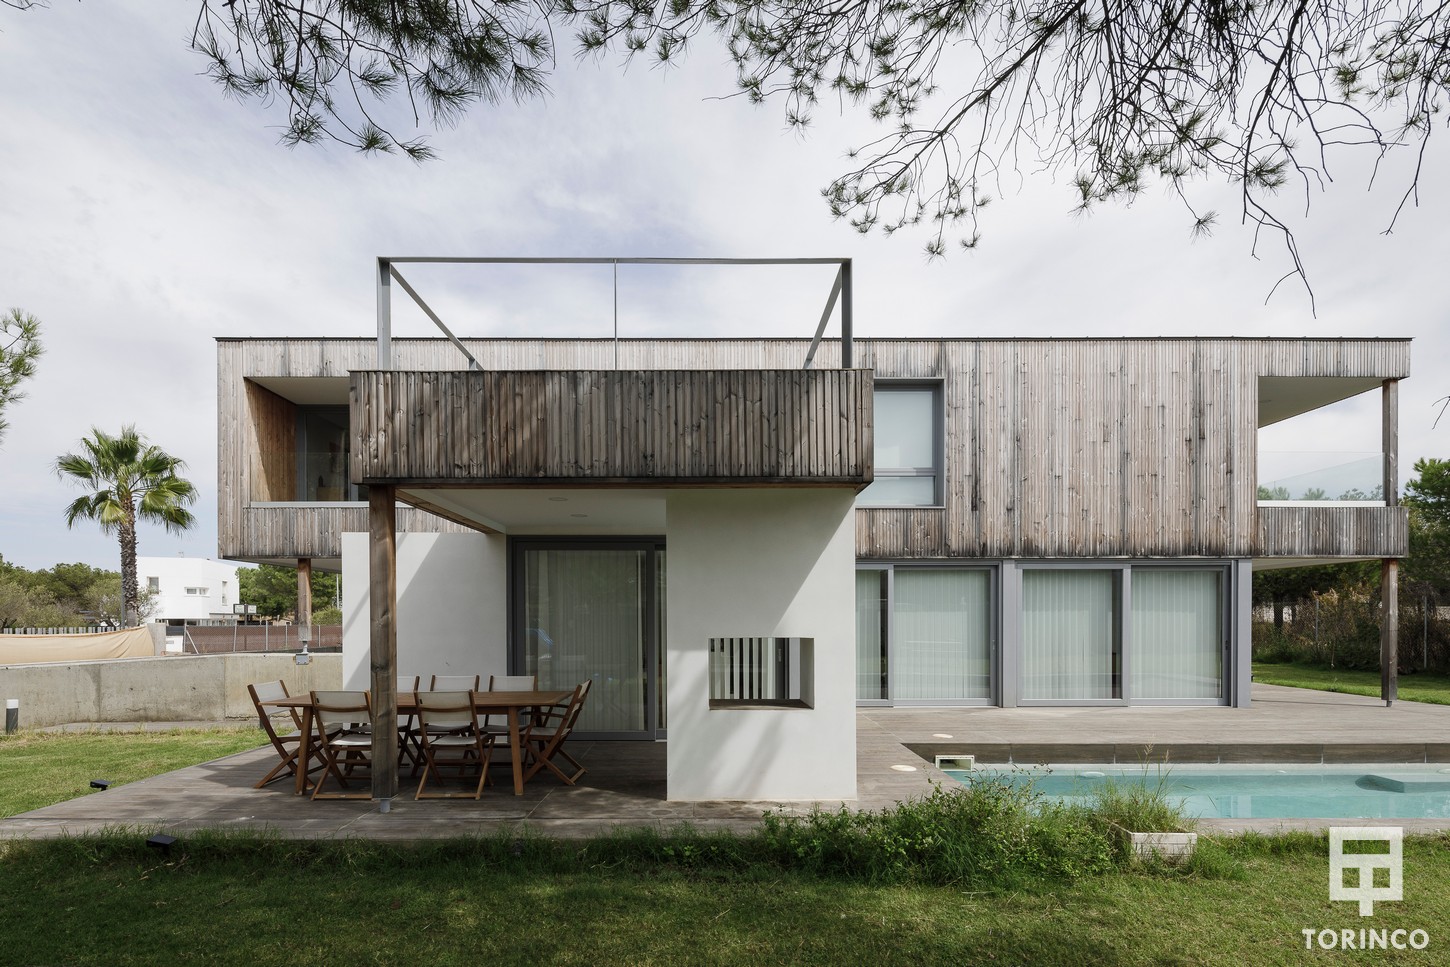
<point>908,449</point>
<point>153,585</point>
<point>197,592</point>
<point>322,455</point>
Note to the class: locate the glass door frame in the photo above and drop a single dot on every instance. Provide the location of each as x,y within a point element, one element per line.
<point>994,632</point>
<point>652,607</point>
<point>1123,605</point>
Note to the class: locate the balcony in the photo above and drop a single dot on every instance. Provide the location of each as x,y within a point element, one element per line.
<point>609,427</point>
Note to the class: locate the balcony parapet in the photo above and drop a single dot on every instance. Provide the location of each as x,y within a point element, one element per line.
<point>496,428</point>
<point>1309,530</point>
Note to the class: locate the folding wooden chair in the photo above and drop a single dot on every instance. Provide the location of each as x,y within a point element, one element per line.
<point>451,739</point>
<point>544,740</point>
<point>507,683</point>
<point>410,754</point>
<point>288,746</point>
<point>454,683</point>
<point>345,738</point>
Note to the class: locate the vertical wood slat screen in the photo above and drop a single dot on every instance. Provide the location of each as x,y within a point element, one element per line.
<point>456,427</point>
<point>750,669</point>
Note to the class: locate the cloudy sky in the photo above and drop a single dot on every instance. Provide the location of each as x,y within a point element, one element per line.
<point>142,215</point>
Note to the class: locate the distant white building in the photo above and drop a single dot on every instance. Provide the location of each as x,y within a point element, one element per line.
<point>188,589</point>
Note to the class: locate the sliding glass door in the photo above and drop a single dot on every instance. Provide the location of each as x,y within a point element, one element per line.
<point>1178,638</point>
<point>1151,633</point>
<point>924,635</point>
<point>594,611</point>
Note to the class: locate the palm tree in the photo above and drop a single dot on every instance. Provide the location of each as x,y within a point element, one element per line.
<point>128,479</point>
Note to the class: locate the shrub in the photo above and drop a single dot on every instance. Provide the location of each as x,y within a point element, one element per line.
<point>989,835</point>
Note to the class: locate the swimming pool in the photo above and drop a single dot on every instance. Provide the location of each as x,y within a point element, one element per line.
<point>1419,791</point>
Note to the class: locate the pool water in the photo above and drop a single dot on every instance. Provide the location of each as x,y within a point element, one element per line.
<point>1420,791</point>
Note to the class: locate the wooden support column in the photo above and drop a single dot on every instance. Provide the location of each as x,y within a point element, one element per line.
<point>1389,630</point>
<point>304,592</point>
<point>383,639</point>
<point>1390,568</point>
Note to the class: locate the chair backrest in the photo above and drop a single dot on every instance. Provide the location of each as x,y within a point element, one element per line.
<point>454,683</point>
<point>446,710</point>
<point>334,710</point>
<point>576,705</point>
<point>560,718</point>
<point>266,692</point>
<point>407,684</point>
<point>513,683</point>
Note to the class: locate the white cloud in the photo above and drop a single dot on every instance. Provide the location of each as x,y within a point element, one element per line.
<point>145,214</point>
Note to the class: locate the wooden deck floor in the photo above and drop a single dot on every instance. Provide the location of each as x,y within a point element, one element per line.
<point>625,785</point>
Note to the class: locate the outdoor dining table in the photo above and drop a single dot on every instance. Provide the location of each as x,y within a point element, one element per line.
<point>509,703</point>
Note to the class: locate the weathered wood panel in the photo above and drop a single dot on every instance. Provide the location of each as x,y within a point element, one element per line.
<point>271,444</point>
<point>1332,532</point>
<point>672,426</point>
<point>293,531</point>
<point>1054,447</point>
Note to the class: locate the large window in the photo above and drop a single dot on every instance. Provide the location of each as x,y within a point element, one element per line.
<point>1139,633</point>
<point>924,634</point>
<point>1178,639</point>
<point>322,455</point>
<point>1071,635</point>
<point>908,448</point>
<point>871,634</point>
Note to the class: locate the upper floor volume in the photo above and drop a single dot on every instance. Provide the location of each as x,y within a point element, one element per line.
<point>961,448</point>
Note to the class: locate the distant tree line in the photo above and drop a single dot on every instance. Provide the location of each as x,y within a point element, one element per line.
<point>273,590</point>
<point>63,596</point>
<point>1331,615</point>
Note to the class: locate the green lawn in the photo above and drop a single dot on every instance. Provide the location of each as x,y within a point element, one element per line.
<point>468,902</point>
<point>41,768</point>
<point>883,890</point>
<point>1420,687</point>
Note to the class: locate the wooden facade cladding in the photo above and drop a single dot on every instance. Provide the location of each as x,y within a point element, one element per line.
<point>1332,532</point>
<point>299,531</point>
<point>700,426</point>
<point>272,444</point>
<point>1088,448</point>
<point>1053,447</point>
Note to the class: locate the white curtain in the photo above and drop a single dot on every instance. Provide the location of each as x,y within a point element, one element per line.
<point>1069,635</point>
<point>941,634</point>
<point>585,619</point>
<point>1177,642</point>
<point>870,657</point>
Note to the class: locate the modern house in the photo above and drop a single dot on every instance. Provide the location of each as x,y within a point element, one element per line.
<point>739,541</point>
<point>186,590</point>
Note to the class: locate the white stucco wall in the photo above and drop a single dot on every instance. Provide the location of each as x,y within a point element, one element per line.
<point>452,606</point>
<point>758,563</point>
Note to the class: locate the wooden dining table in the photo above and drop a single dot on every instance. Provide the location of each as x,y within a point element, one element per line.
<point>484,703</point>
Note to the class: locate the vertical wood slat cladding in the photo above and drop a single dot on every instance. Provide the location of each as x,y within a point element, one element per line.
<point>671,425</point>
<point>1109,448</point>
<point>1174,477</point>
<point>297,532</point>
<point>271,444</point>
<point>1332,531</point>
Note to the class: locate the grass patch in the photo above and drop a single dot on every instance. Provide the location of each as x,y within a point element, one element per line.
<point>42,768</point>
<point>248,899</point>
<point>1419,687</point>
<point>1140,807</point>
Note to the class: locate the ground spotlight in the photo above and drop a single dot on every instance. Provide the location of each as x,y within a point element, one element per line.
<point>100,783</point>
<point>162,842</point>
